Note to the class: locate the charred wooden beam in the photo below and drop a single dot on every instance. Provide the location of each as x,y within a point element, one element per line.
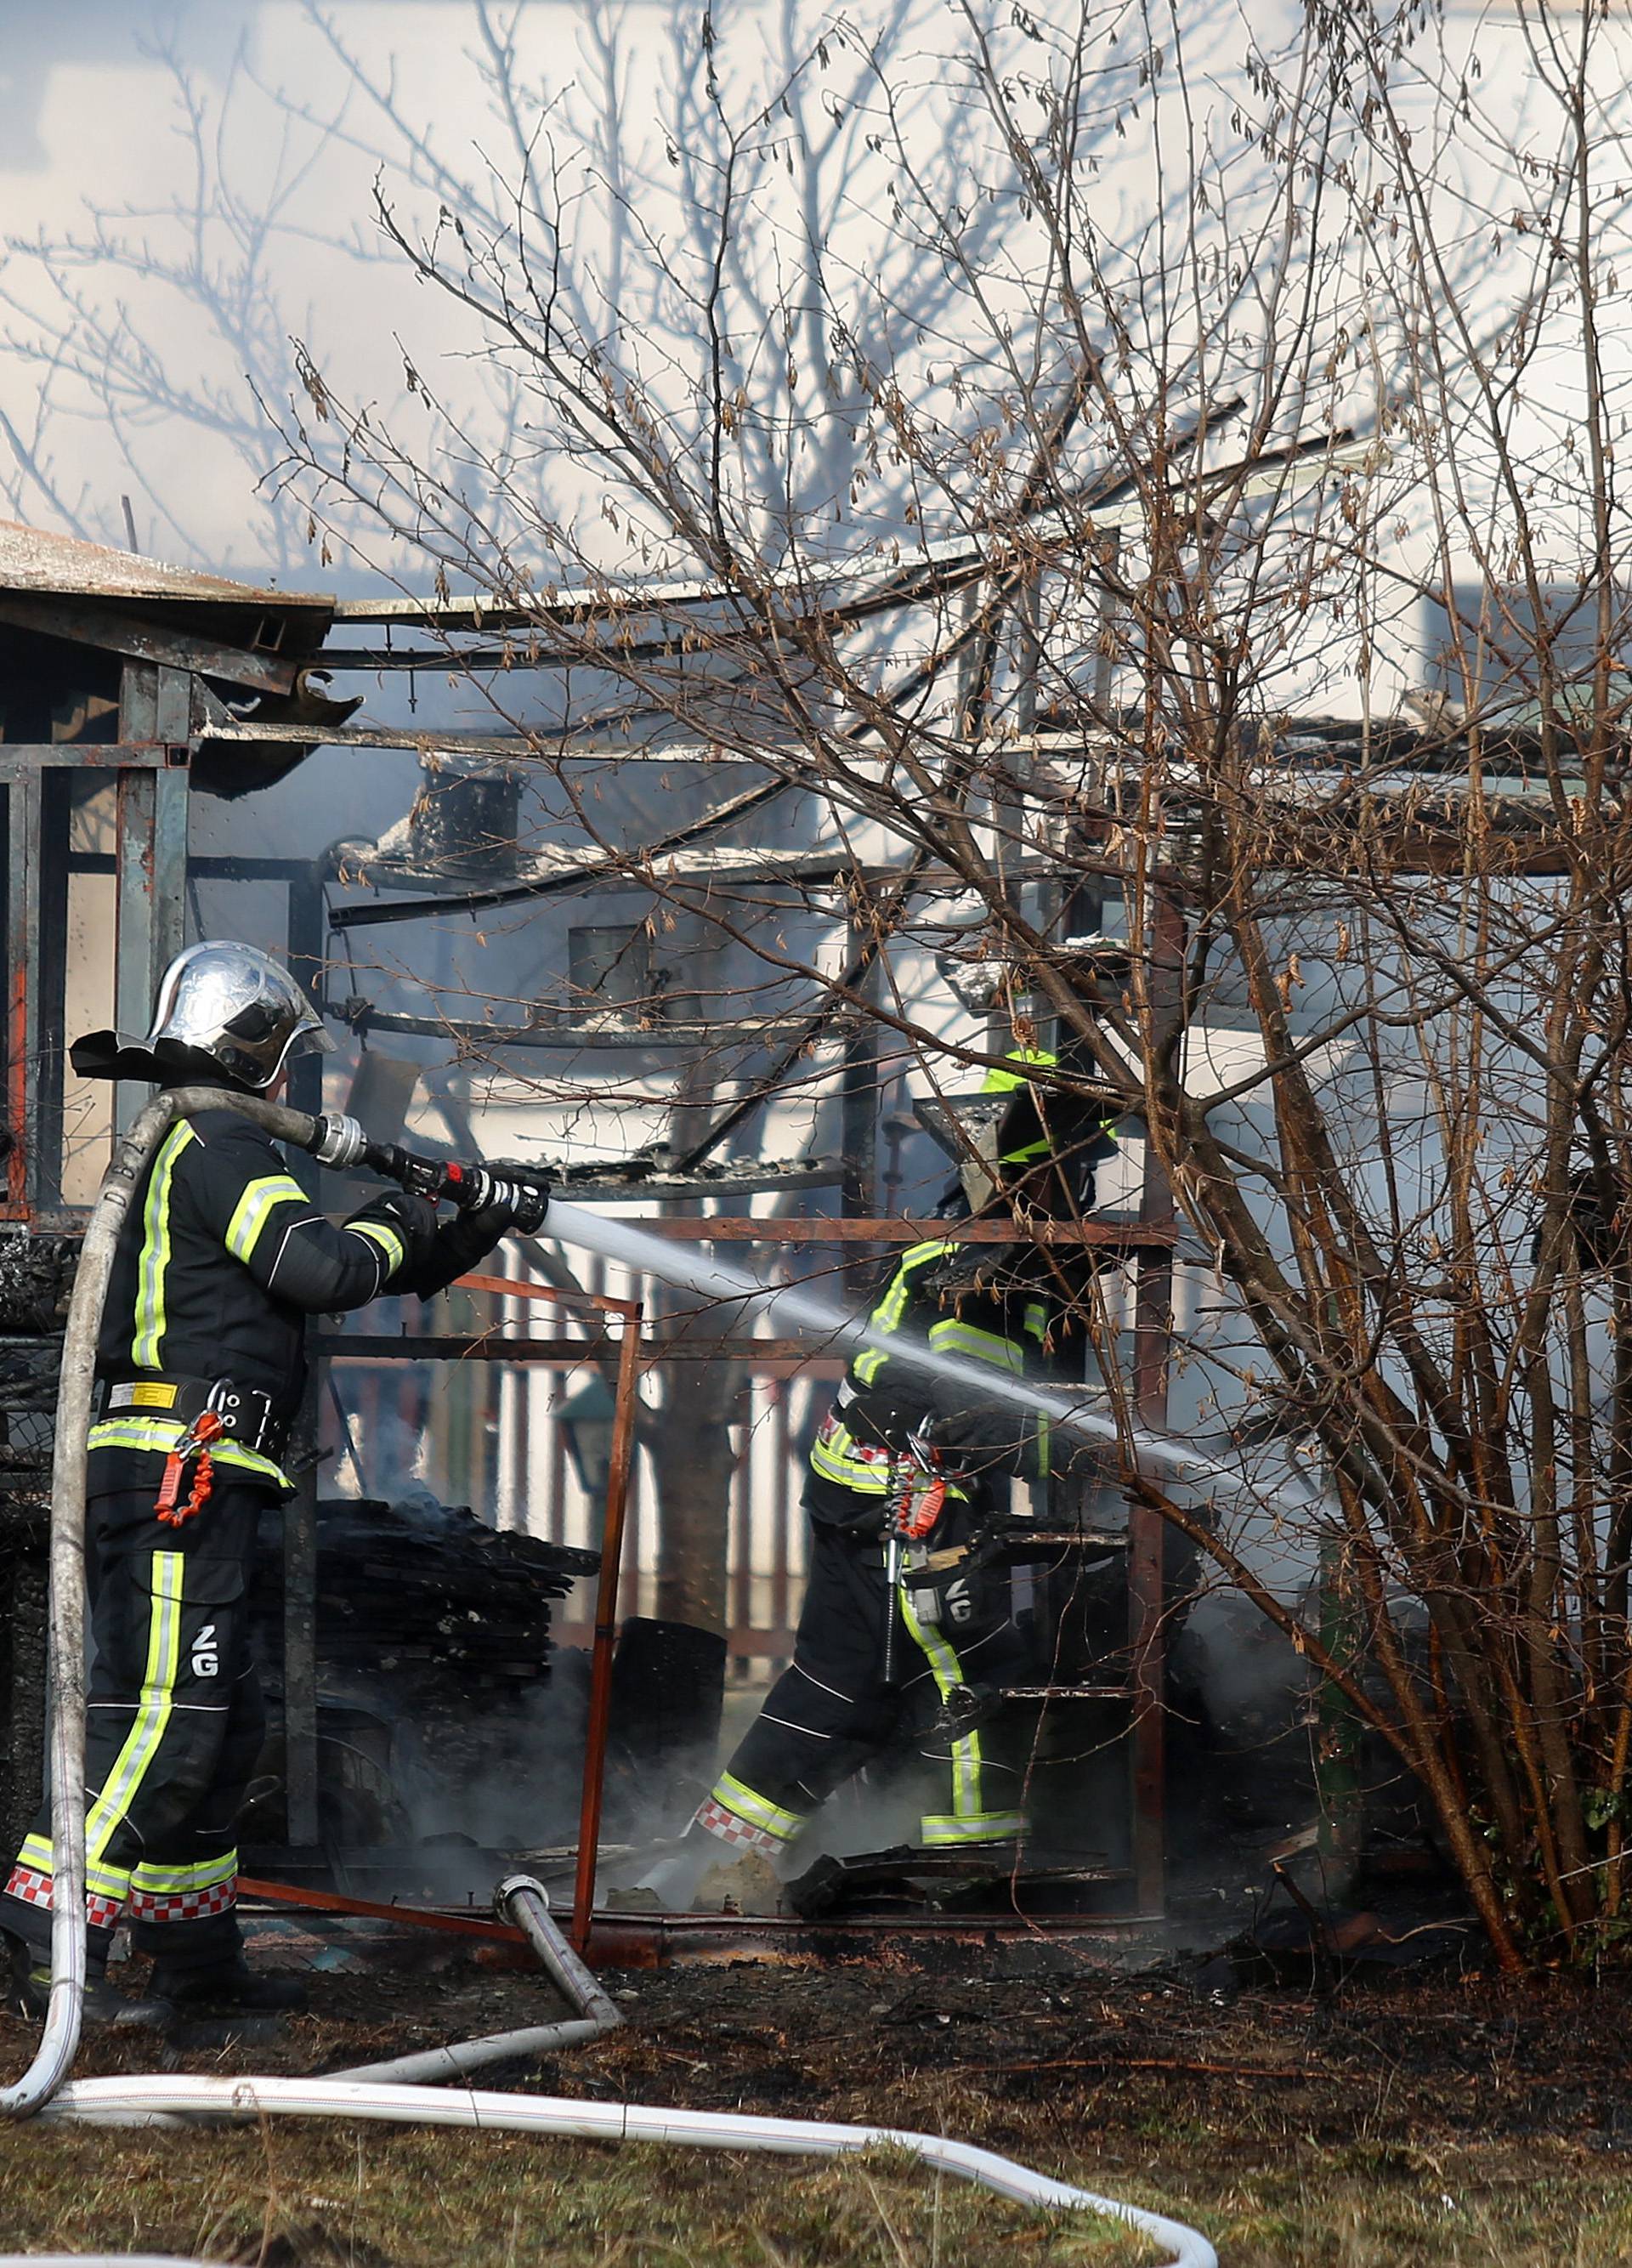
<point>115,632</point>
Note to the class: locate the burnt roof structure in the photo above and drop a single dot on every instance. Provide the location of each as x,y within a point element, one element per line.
<point>246,651</point>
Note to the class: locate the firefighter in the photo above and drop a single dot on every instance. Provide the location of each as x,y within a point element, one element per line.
<point>884,1645</point>
<point>221,1258</point>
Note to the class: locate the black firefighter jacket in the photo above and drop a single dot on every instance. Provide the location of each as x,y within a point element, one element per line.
<point>975,1302</point>
<point>222,1257</point>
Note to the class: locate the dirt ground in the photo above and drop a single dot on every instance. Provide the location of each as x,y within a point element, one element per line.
<point>1399,2119</point>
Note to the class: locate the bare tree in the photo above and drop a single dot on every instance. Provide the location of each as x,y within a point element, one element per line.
<point>1320,388</point>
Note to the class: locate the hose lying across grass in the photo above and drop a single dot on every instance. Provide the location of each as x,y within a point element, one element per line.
<point>141,2102</point>
<point>161,2101</point>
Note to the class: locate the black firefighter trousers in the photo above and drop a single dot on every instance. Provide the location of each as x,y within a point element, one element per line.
<point>174,1726</point>
<point>830,1712</point>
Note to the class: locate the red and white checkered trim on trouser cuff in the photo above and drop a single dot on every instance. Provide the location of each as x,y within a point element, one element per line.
<point>183,1905</point>
<point>713,1816</point>
<point>35,1890</point>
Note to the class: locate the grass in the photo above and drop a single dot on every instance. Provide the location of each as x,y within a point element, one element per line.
<point>293,2194</point>
<point>1463,2124</point>
<point>349,2197</point>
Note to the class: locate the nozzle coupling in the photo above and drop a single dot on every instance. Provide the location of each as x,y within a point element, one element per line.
<point>341,1142</point>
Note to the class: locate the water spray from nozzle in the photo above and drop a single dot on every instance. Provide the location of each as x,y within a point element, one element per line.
<point>808,1315</point>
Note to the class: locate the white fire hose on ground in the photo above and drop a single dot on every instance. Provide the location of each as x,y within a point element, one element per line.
<point>365,2095</point>
<point>135,2101</point>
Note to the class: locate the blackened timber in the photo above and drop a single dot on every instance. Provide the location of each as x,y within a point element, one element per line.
<point>608,1180</point>
<point>142,641</point>
<point>551,1027</point>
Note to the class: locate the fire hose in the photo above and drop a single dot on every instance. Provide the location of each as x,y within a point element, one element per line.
<point>148,2100</point>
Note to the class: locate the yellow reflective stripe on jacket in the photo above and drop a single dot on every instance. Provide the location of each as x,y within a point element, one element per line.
<point>758,1810</point>
<point>158,1679</point>
<point>1003,1077</point>
<point>260,1199</point>
<point>155,1255</point>
<point>833,1458</point>
<point>886,1316</point>
<point>954,1336</point>
<point>390,1243</point>
<point>157,1436</point>
<point>836,1455</point>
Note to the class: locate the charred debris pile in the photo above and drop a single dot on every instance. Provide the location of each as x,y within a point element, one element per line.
<point>434,1649</point>
<point>420,1589</point>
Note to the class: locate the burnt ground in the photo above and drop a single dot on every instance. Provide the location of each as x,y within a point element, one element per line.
<point>1369,2117</point>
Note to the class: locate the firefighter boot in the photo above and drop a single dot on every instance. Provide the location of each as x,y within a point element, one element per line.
<point>103,2004</point>
<point>230,1983</point>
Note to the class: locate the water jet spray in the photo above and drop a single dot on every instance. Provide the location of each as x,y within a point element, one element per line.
<point>796,1309</point>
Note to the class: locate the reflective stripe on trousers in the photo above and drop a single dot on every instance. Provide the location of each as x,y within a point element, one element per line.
<point>765,1822</point>
<point>969,1821</point>
<point>113,1800</point>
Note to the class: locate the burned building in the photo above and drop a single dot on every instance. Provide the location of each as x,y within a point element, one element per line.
<point>118,679</point>
<point>137,688</point>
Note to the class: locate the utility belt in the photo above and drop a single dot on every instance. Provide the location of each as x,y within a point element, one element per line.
<point>870,1468</point>
<point>941,1587</point>
<point>243,1415</point>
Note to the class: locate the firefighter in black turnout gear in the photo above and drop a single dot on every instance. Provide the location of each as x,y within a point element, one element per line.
<point>222,1257</point>
<point>901,1632</point>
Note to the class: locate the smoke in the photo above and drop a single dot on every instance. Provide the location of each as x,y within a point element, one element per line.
<point>503,1781</point>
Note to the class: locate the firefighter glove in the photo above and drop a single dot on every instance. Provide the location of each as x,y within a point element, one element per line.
<point>415,1222</point>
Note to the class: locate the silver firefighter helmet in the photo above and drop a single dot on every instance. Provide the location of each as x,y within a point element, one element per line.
<point>235,1004</point>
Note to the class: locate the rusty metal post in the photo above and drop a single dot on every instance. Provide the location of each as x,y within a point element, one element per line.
<point>605,1625</point>
<point>150,858</point>
<point>24,797</point>
<point>1153,1319</point>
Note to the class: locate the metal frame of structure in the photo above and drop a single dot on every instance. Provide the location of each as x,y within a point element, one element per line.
<point>164,710</point>
<point>177,640</point>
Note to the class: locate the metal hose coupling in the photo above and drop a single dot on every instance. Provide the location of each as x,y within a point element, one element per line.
<point>341,1141</point>
<point>523,1900</point>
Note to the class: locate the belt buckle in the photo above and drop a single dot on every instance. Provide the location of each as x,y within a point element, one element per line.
<point>227,1400</point>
